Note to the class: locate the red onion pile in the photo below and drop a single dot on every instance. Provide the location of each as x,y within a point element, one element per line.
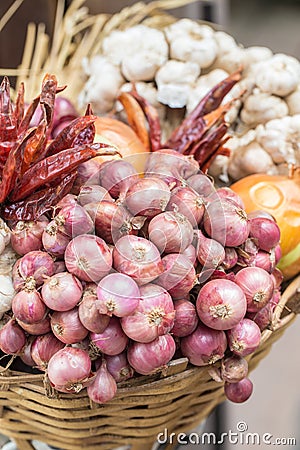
<point>129,269</point>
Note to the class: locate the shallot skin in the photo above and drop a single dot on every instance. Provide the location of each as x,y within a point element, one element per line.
<point>118,294</point>
<point>89,315</point>
<point>148,358</point>
<point>171,232</point>
<point>43,347</point>
<point>67,327</point>
<point>153,317</point>
<point>234,368</point>
<point>221,304</point>
<point>104,387</point>
<point>119,367</point>
<point>179,275</point>
<point>186,319</point>
<point>226,222</point>
<point>257,285</point>
<point>204,346</point>
<point>69,370</point>
<point>37,328</point>
<point>62,291</point>
<point>28,306</point>
<point>239,392</point>
<point>117,177</point>
<point>244,338</point>
<point>93,194</point>
<point>27,236</point>
<point>188,202</point>
<point>138,258</point>
<point>88,257</point>
<point>12,338</point>
<point>265,232</point>
<point>36,264</point>
<point>148,197</point>
<point>112,340</point>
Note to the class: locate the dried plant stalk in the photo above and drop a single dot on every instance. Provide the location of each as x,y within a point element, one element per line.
<point>76,35</point>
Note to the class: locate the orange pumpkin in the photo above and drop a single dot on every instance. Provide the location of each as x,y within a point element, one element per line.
<point>280,196</point>
<point>123,137</point>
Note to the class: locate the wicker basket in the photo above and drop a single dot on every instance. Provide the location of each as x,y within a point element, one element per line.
<point>178,399</point>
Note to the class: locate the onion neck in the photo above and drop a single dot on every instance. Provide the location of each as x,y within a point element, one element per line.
<point>29,284</point>
<point>82,263</point>
<point>51,229</point>
<point>110,305</point>
<point>155,316</point>
<point>59,329</point>
<point>242,214</point>
<point>53,282</point>
<point>220,311</point>
<point>74,387</point>
<point>21,226</point>
<point>237,346</point>
<point>213,359</point>
<point>139,253</point>
<point>126,227</point>
<point>259,297</point>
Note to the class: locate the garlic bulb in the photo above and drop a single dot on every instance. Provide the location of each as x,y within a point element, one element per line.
<point>225,42</point>
<point>231,60</point>
<point>4,235</point>
<point>190,41</point>
<point>6,293</point>
<point>250,159</point>
<point>293,101</point>
<point>7,260</point>
<point>139,51</point>
<point>260,107</point>
<point>102,86</point>
<point>281,139</point>
<point>257,53</point>
<point>175,81</point>
<point>278,75</point>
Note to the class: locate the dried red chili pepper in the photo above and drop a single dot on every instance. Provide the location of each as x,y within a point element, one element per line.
<point>208,145</point>
<point>8,125</point>
<point>47,98</point>
<point>19,105</point>
<point>35,146</point>
<point>65,139</point>
<point>220,150</point>
<point>87,135</point>
<point>209,103</point>
<point>213,99</point>
<point>39,202</point>
<point>25,122</point>
<point>12,167</point>
<point>55,166</point>
<point>191,135</point>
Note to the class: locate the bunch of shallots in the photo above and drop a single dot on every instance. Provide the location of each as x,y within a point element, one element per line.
<point>133,270</point>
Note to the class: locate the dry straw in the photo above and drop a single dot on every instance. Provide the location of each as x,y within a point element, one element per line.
<point>76,34</point>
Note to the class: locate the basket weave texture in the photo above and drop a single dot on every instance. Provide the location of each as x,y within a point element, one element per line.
<point>178,398</point>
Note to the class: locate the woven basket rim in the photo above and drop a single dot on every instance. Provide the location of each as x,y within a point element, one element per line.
<point>179,368</point>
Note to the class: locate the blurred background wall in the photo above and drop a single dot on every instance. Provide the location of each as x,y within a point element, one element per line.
<point>272,23</point>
